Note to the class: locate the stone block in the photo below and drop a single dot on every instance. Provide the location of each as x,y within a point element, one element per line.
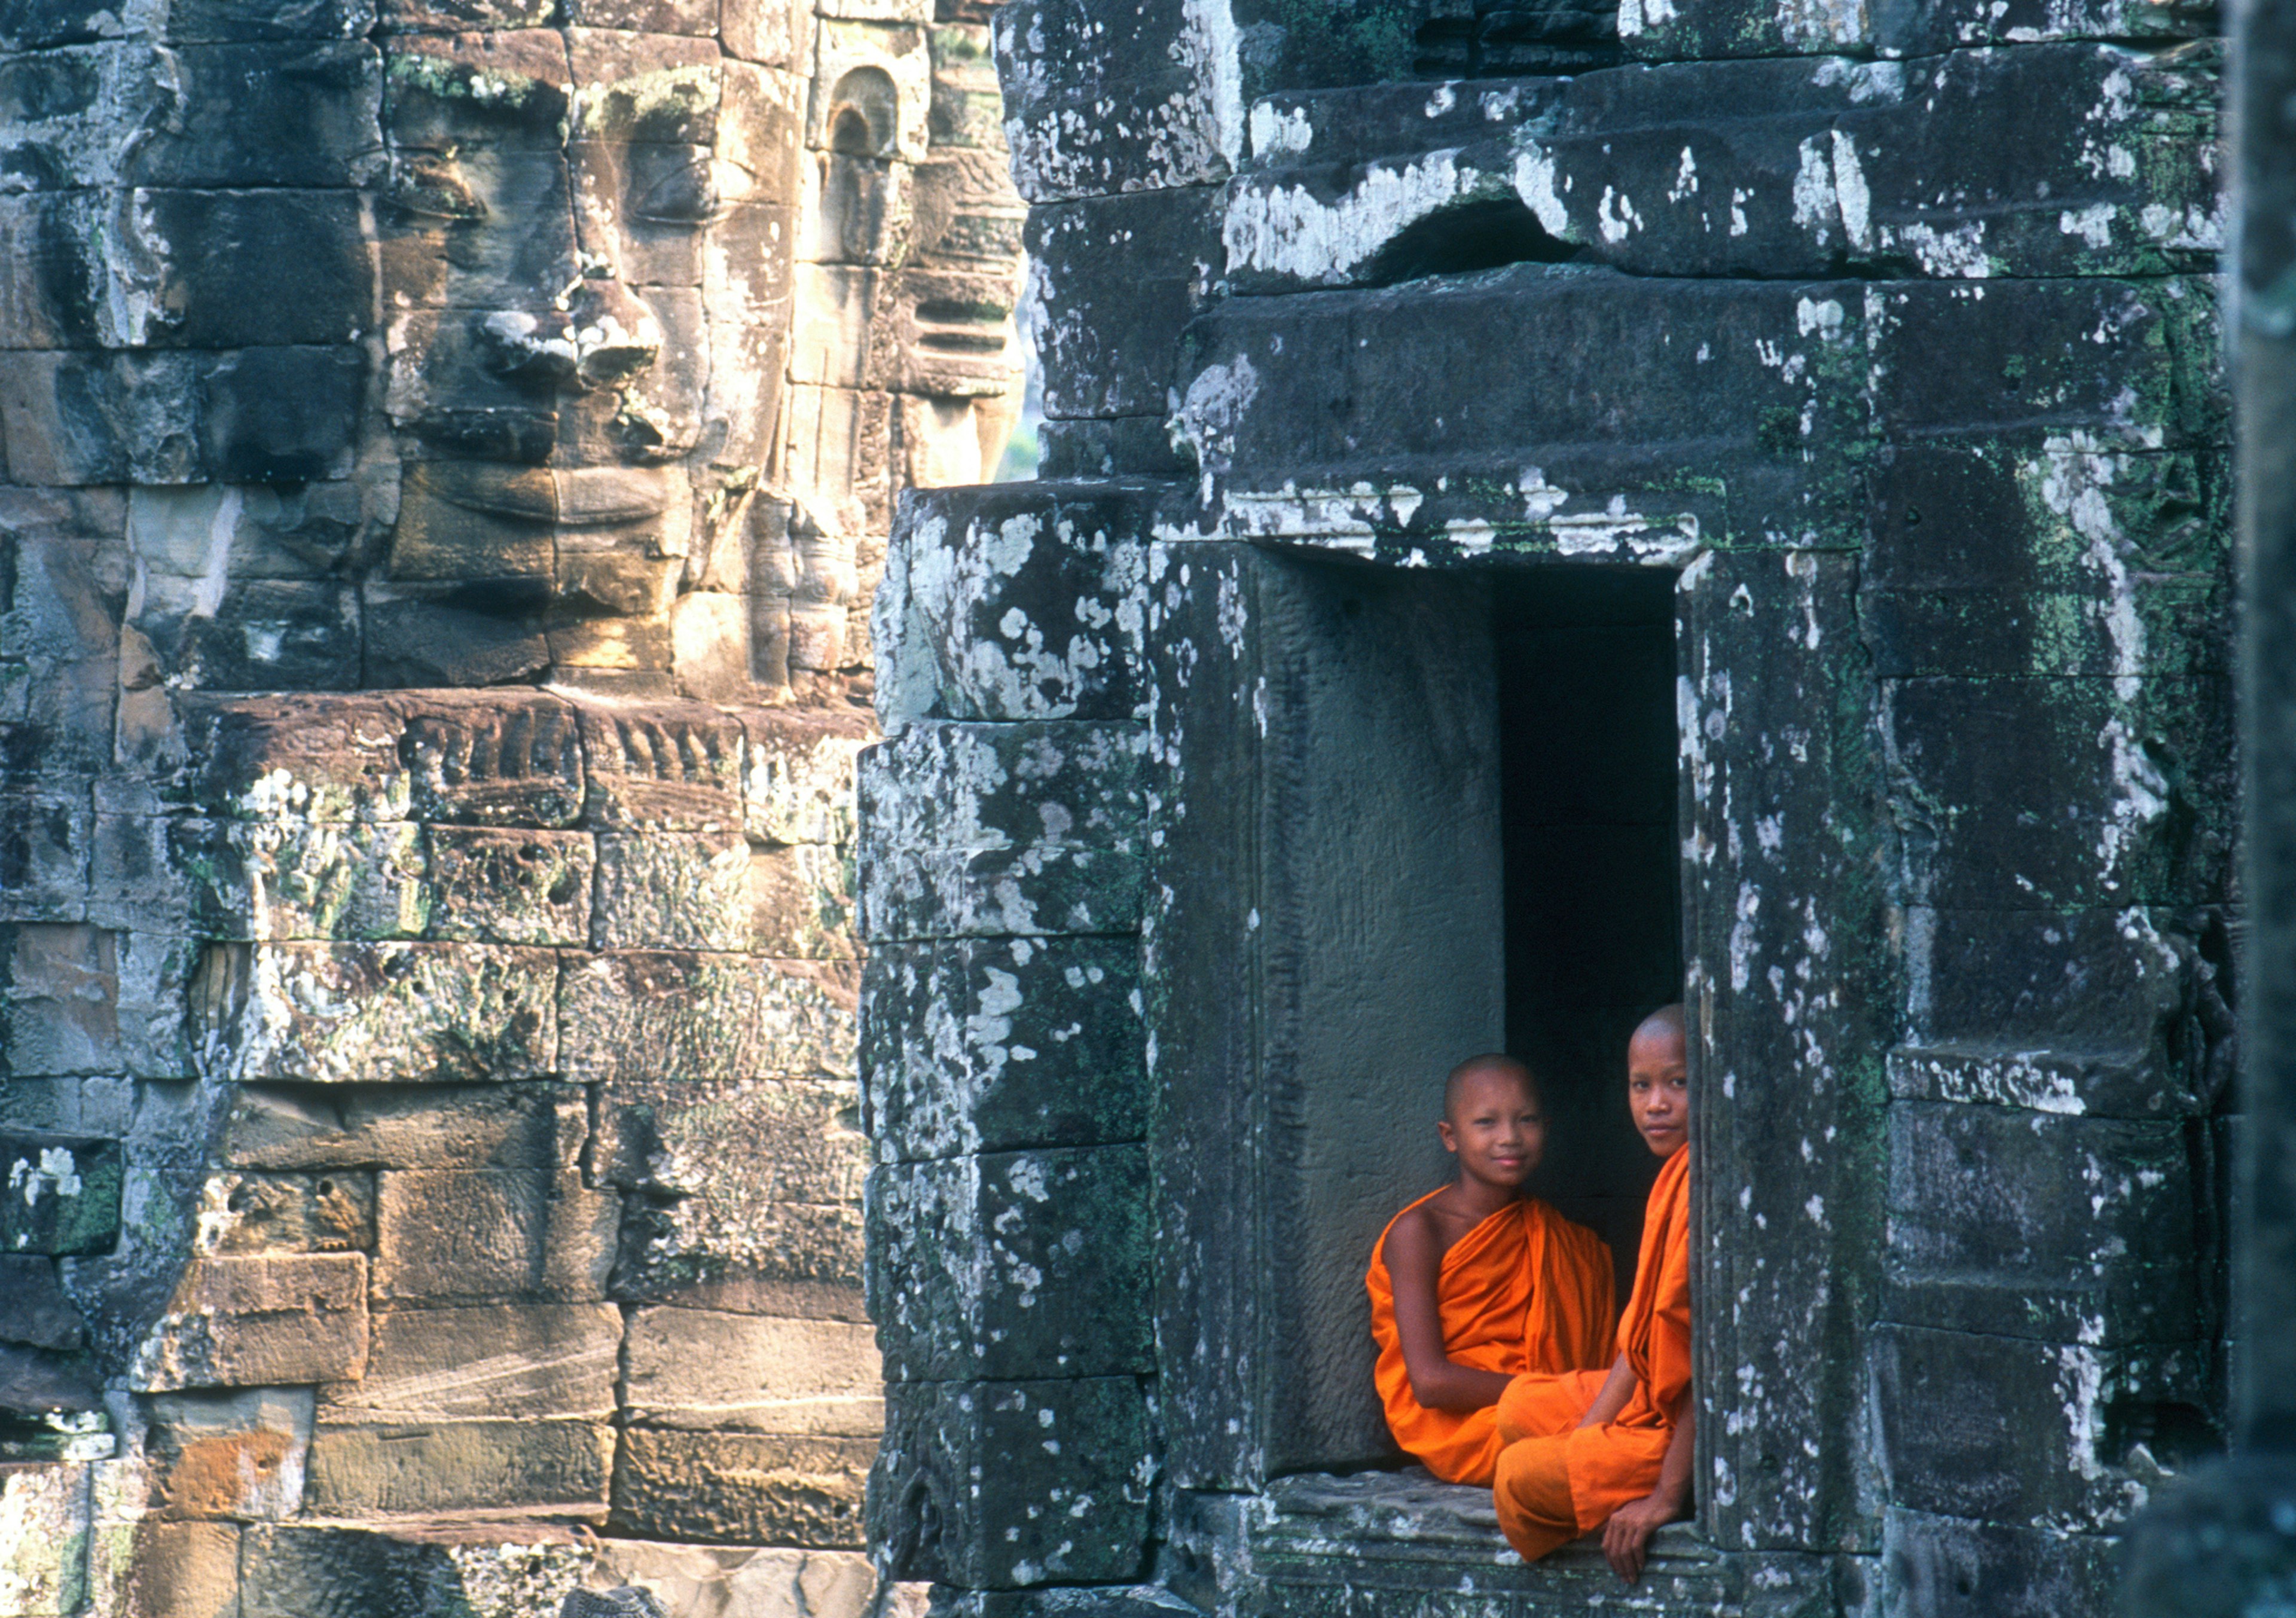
<point>1112,282</point>
<point>799,902</point>
<point>539,1128</point>
<point>503,1466</point>
<point>743,1194</point>
<point>2026,1224</point>
<point>499,1362</point>
<point>500,758</point>
<point>44,1560</point>
<point>314,759</point>
<point>797,783</point>
<point>445,1234</point>
<point>136,417</point>
<point>292,1571</point>
<point>1098,97</point>
<point>332,1211</point>
<point>62,1193</point>
<point>1959,1569</point>
<point>419,637</point>
<point>661,767</point>
<point>672,890</point>
<point>689,1578</point>
<point>698,1370</point>
<point>257,1322</point>
<point>974,829</point>
<point>2001,1430</point>
<point>338,1014</point>
<point>1735,29</point>
<point>741,1488</point>
<point>238,1455</point>
<point>182,1569</point>
<point>280,414</point>
<point>321,285</point>
<point>295,880</point>
<point>264,633</point>
<point>498,885</point>
<point>689,1015</point>
<point>44,843</point>
<point>989,1045</point>
<point>1012,601</point>
<point>1996,768</point>
<point>58,1392</point>
<point>83,1000</point>
<point>1013,1265</point>
<point>1071,1503</point>
<point>33,1308</point>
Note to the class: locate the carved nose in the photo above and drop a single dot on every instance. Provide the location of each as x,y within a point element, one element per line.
<point>531,347</point>
<point>615,335</point>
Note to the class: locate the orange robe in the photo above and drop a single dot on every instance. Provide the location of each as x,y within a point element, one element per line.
<point>1557,1480</point>
<point>1525,1290</point>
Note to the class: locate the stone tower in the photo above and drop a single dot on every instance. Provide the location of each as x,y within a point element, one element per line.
<point>448,452</point>
<point>1548,512</point>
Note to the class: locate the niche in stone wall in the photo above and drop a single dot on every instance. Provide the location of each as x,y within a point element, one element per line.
<point>1587,805</point>
<point>1462,822</point>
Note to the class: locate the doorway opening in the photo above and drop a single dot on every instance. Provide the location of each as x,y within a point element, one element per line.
<point>1593,899</point>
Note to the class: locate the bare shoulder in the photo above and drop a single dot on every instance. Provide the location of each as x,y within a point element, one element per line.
<point>1413,1243</point>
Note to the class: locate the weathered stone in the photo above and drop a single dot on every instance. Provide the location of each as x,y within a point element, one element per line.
<point>44,1563</point>
<point>35,1310</point>
<point>698,1371</point>
<point>672,890</point>
<point>799,902</point>
<point>314,880</point>
<point>741,1488</point>
<point>501,1362</point>
<point>743,1193</point>
<point>1064,1288</point>
<point>256,1322</point>
<point>533,1128</point>
<point>989,1045</point>
<point>330,1211</point>
<point>1948,1567</point>
<point>183,1570</point>
<point>499,1466</point>
<point>502,759</point>
<point>835,1584</point>
<point>665,769</point>
<point>2089,1417</point>
<point>274,758</point>
<point>87,1000</point>
<point>509,886</point>
<point>44,843</point>
<point>62,1193</point>
<point>1068,1503</point>
<point>288,1571</point>
<point>449,1234</point>
<point>338,1013</point>
<point>1002,604</point>
<point>52,1388</point>
<point>625,1602</point>
<point>678,1015</point>
<point>230,1455</point>
<point>1120,366</point>
<point>984,829</point>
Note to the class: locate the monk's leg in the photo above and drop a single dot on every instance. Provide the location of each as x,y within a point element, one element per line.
<point>1546,1407</point>
<point>1533,1492</point>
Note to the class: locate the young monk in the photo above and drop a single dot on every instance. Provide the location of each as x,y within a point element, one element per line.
<point>1582,1451</point>
<point>1475,1284</point>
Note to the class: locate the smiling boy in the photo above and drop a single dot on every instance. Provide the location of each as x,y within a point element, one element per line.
<point>1584,1452</point>
<point>1475,1284</point>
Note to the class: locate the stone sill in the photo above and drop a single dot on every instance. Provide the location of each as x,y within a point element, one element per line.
<point>1328,1546</point>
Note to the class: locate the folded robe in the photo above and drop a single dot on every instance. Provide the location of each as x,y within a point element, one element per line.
<point>1525,1290</point>
<point>1608,1466</point>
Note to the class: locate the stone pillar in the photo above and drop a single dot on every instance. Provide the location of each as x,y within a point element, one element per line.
<point>2223,1541</point>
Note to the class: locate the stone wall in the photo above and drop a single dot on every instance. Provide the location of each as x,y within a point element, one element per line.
<point>1889,333</point>
<point>447,452</point>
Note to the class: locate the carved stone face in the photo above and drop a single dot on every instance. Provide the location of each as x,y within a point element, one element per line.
<point>586,239</point>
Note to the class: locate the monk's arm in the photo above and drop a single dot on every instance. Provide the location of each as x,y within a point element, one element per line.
<point>1437,1381</point>
<point>1616,1391</point>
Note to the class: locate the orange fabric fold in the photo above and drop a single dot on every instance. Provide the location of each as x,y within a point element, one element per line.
<point>1602,1468</point>
<point>1525,1290</point>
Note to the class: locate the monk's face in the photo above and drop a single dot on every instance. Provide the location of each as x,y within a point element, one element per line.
<point>1495,1128</point>
<point>1658,1088</point>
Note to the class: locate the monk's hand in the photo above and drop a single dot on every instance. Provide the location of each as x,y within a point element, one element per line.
<point>1627,1536</point>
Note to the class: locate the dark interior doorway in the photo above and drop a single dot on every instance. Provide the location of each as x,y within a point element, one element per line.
<point>1587,751</point>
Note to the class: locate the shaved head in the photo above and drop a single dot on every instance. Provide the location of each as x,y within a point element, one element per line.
<point>1664,1028</point>
<point>1492,1062</point>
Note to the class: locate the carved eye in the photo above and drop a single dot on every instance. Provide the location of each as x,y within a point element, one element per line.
<point>696,193</point>
<point>435,186</point>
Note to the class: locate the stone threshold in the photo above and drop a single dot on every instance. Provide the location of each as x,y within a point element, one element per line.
<point>1378,1542</point>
